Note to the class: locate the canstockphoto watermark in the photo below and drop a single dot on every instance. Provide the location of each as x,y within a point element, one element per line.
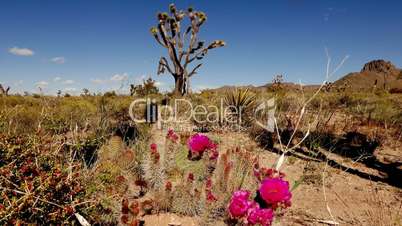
<point>182,110</point>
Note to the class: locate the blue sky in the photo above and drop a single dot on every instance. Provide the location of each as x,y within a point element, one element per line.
<point>100,45</point>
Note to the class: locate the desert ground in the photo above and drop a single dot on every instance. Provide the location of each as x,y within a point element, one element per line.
<point>63,158</point>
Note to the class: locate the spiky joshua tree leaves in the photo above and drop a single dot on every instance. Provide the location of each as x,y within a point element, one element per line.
<point>4,91</point>
<point>184,47</point>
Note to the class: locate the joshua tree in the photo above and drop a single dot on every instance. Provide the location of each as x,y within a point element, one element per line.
<point>133,89</point>
<point>168,33</point>
<point>85,92</point>
<point>4,91</point>
<point>277,82</point>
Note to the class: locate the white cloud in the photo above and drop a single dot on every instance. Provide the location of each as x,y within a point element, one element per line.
<point>58,60</point>
<point>199,88</point>
<point>140,78</point>
<point>114,78</point>
<point>41,84</point>
<point>56,79</point>
<point>70,89</point>
<point>98,81</point>
<point>21,51</point>
<point>159,84</point>
<point>119,77</point>
<point>68,82</point>
<point>19,82</point>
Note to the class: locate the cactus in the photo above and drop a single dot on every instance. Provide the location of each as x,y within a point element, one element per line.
<point>212,212</point>
<point>165,198</point>
<point>168,34</point>
<point>233,171</point>
<point>129,212</point>
<point>187,197</point>
<point>154,171</point>
<point>169,155</point>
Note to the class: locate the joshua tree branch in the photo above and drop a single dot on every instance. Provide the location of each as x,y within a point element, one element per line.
<point>172,50</point>
<point>158,40</point>
<point>162,32</point>
<point>164,63</point>
<point>203,51</point>
<point>194,71</point>
<point>174,56</point>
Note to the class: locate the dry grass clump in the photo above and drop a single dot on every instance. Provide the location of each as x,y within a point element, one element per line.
<point>60,115</point>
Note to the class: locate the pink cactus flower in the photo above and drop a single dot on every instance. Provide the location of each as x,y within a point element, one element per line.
<point>239,204</point>
<point>259,216</point>
<point>199,143</point>
<point>275,192</point>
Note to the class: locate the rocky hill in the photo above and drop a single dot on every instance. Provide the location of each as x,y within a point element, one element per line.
<point>374,74</point>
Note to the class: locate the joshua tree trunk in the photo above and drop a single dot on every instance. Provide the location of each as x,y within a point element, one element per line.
<point>178,85</point>
<point>182,84</point>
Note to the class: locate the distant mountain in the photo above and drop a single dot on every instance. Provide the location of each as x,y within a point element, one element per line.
<point>376,73</point>
<point>227,88</point>
<point>285,85</point>
<point>373,74</point>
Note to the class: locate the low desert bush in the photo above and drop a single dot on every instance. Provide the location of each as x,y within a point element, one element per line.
<point>39,186</point>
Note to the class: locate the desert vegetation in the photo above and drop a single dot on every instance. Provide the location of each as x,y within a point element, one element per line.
<point>82,159</point>
<point>277,154</point>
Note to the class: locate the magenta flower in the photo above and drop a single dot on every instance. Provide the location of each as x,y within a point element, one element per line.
<point>239,204</point>
<point>275,191</point>
<point>260,216</point>
<point>198,143</point>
